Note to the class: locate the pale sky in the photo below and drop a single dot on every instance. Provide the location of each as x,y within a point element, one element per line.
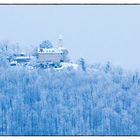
<point>98,33</point>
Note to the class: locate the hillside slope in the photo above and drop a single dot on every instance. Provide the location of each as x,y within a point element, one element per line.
<point>103,100</point>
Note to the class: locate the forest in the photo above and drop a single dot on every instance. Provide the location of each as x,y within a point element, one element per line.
<point>98,99</point>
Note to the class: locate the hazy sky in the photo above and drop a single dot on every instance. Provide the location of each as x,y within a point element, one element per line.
<point>97,33</point>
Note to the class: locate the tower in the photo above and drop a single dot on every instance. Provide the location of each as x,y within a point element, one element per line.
<point>60,41</point>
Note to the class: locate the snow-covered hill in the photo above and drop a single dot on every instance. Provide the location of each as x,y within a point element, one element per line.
<point>66,65</point>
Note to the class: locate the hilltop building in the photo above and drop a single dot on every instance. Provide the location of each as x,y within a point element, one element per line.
<point>45,56</point>
<point>19,59</point>
<point>46,53</point>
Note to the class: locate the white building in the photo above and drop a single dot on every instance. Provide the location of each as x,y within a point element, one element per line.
<point>19,59</point>
<point>47,53</point>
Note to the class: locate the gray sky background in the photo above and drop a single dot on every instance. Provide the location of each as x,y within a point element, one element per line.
<point>96,33</point>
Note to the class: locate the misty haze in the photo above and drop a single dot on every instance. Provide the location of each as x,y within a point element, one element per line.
<point>69,70</point>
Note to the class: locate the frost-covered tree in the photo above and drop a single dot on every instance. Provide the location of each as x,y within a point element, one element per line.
<point>98,101</point>
<point>4,53</point>
<point>46,44</point>
<point>82,64</point>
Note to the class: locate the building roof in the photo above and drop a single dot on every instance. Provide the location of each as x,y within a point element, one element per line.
<point>49,50</point>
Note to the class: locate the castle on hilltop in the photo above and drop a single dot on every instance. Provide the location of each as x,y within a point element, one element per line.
<point>46,54</point>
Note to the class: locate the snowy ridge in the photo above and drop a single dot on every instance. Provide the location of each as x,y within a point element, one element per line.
<point>67,65</point>
<point>101,101</point>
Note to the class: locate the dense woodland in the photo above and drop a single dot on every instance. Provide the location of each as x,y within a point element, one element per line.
<point>93,100</point>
